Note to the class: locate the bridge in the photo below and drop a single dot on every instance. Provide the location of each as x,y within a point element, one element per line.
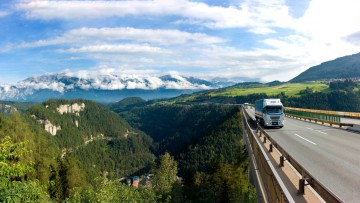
<point>313,158</point>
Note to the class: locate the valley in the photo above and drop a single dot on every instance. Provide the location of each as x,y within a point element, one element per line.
<point>187,148</point>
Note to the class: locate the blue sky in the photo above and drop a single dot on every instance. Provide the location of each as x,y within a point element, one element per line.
<point>257,39</point>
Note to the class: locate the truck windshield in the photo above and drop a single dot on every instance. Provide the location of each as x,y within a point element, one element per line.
<point>274,109</point>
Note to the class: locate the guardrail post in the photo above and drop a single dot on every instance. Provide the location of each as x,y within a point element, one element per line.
<point>301,190</point>
<point>270,148</point>
<point>281,164</point>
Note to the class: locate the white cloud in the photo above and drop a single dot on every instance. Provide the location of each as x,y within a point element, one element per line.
<point>118,49</point>
<point>253,14</point>
<point>97,35</point>
<point>322,34</point>
<point>4,13</point>
<point>103,79</point>
<point>327,30</point>
<point>265,64</point>
<point>330,19</point>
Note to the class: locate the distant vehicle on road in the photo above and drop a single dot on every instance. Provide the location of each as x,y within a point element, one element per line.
<point>269,112</point>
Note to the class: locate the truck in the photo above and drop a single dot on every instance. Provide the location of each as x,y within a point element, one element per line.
<point>269,112</point>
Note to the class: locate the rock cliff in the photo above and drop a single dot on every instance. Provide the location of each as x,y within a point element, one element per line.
<point>74,108</point>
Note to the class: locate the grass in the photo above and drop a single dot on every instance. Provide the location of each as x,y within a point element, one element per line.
<point>290,89</point>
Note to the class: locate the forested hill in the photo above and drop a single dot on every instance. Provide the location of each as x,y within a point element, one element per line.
<point>100,139</point>
<point>72,122</point>
<point>206,141</point>
<point>174,127</point>
<point>343,67</point>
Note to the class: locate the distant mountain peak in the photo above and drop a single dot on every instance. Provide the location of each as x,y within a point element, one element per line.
<point>101,85</point>
<point>62,81</point>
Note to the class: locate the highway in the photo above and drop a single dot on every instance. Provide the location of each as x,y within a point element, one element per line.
<point>329,154</point>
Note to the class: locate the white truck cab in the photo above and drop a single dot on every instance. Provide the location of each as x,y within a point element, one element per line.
<point>269,112</point>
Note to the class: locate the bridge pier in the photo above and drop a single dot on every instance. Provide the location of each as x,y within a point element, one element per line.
<point>271,148</point>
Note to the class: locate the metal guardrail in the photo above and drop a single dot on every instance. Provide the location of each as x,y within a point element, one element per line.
<point>355,115</point>
<point>325,193</point>
<point>276,190</point>
<point>318,117</point>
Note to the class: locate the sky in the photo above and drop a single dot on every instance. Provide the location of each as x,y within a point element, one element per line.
<point>263,40</point>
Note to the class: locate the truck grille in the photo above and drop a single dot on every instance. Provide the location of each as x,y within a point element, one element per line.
<point>275,117</point>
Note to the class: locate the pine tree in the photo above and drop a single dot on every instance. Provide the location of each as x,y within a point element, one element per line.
<point>165,176</point>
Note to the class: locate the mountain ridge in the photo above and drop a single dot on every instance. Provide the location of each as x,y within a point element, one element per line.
<point>105,88</point>
<point>345,67</point>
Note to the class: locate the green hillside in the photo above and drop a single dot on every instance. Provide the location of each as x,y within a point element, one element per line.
<point>174,127</point>
<point>290,89</point>
<point>247,92</point>
<point>337,95</point>
<point>37,166</point>
<point>127,103</point>
<point>344,67</point>
<point>7,106</point>
<point>97,137</point>
<point>205,140</point>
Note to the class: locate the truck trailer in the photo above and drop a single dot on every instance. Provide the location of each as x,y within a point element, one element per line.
<point>269,112</point>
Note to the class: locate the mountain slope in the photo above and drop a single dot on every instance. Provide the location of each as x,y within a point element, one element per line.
<point>343,67</point>
<point>205,139</point>
<point>101,140</point>
<point>173,127</point>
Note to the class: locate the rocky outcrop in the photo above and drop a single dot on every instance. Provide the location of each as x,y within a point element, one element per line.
<point>48,126</point>
<point>74,108</point>
<point>6,109</point>
<point>52,129</point>
<point>98,137</point>
<point>127,133</point>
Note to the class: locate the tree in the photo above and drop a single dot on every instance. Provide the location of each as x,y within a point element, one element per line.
<point>306,91</point>
<point>14,186</point>
<point>71,175</point>
<point>165,176</point>
<point>106,191</point>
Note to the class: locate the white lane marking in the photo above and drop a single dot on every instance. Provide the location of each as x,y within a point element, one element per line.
<point>305,139</point>
<point>317,131</point>
<point>322,132</point>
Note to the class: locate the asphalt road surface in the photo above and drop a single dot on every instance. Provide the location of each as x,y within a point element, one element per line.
<point>330,155</point>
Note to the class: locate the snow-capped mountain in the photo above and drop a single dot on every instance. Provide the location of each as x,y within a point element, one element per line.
<point>103,87</point>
